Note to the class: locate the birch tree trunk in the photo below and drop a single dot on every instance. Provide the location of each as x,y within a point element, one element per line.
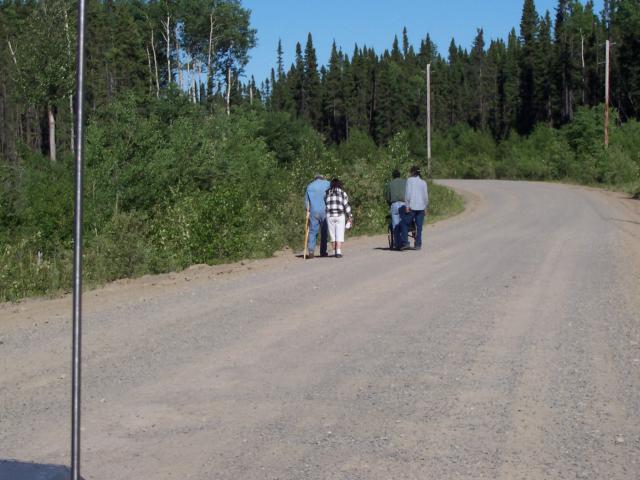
<point>210,44</point>
<point>175,33</point>
<point>199,82</point>
<point>71,113</point>
<point>13,52</point>
<point>52,134</point>
<point>155,64</point>
<point>193,83</point>
<point>584,80</point>
<point>167,37</point>
<point>150,71</point>
<point>189,80</point>
<point>228,88</point>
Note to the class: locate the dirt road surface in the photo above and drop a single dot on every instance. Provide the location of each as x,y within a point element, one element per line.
<point>508,348</point>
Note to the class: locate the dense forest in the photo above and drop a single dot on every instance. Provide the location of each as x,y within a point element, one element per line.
<point>188,161</point>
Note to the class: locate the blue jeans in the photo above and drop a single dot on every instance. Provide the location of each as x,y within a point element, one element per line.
<point>396,219</point>
<point>318,221</point>
<point>407,219</point>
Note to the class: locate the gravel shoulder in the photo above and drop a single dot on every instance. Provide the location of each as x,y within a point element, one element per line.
<point>508,348</point>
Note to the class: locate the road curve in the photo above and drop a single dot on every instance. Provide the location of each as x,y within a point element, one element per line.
<point>508,348</point>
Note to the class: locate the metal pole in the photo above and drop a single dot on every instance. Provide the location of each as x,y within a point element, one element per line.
<point>429,120</point>
<point>606,96</point>
<point>77,251</point>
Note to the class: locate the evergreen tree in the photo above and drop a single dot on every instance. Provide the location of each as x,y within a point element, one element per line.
<point>334,100</point>
<point>529,29</point>
<point>477,83</point>
<point>544,86</point>
<point>509,99</point>
<point>626,17</point>
<point>312,85</point>
<point>396,54</point>
<point>405,43</point>
<point>280,62</point>
<point>457,92</point>
<point>297,83</point>
<point>564,64</point>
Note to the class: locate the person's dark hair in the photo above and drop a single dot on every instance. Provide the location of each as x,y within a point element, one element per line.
<point>415,171</point>
<point>395,173</point>
<point>335,183</point>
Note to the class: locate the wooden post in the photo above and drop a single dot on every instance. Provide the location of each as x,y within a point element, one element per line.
<point>306,234</point>
<point>606,96</point>
<point>52,133</point>
<point>429,120</point>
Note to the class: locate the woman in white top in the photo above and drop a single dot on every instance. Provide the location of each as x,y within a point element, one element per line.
<point>338,214</point>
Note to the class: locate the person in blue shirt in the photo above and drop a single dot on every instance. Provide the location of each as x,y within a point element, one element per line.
<point>314,203</point>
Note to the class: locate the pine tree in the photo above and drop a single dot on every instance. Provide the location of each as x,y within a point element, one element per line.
<point>626,18</point>
<point>457,92</point>
<point>405,42</point>
<point>544,85</point>
<point>396,54</point>
<point>477,83</point>
<point>334,103</point>
<point>280,63</point>
<point>564,64</point>
<point>510,99</point>
<point>312,85</point>
<point>297,83</point>
<point>529,29</point>
<point>495,60</point>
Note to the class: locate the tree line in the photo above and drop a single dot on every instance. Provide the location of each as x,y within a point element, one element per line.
<point>543,73</point>
<point>145,48</point>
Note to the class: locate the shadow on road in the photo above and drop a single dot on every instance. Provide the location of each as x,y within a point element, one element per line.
<point>14,470</point>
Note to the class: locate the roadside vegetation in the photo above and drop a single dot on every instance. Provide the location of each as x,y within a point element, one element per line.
<point>167,190</point>
<point>188,161</point>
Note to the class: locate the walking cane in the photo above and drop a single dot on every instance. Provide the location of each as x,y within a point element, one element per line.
<point>306,234</point>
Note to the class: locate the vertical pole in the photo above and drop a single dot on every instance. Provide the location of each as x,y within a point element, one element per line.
<point>77,250</point>
<point>429,120</point>
<point>606,96</point>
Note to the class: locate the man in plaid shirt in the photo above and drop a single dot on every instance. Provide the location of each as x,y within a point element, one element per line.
<point>338,210</point>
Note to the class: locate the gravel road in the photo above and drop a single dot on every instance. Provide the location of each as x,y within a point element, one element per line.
<point>508,348</point>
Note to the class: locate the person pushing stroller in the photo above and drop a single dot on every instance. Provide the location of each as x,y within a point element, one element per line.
<point>395,198</point>
<point>416,202</point>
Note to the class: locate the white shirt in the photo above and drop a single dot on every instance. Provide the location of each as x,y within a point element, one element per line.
<point>416,194</point>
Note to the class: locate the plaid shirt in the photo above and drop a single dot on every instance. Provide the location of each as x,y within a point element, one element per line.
<point>337,202</point>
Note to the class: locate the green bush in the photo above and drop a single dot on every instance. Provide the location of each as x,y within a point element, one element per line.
<point>25,270</point>
<point>120,249</point>
<point>463,152</point>
<point>616,167</point>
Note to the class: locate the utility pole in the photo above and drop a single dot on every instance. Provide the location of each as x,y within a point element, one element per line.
<point>77,248</point>
<point>606,95</point>
<point>429,120</point>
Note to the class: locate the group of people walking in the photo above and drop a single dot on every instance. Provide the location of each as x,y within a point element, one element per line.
<point>329,213</point>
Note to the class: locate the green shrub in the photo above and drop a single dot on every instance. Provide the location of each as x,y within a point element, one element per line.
<point>25,270</point>
<point>616,167</point>
<point>120,249</point>
<point>463,152</point>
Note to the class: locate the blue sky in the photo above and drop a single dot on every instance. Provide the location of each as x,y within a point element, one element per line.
<point>374,23</point>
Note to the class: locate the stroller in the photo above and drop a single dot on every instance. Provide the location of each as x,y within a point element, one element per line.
<point>391,236</point>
